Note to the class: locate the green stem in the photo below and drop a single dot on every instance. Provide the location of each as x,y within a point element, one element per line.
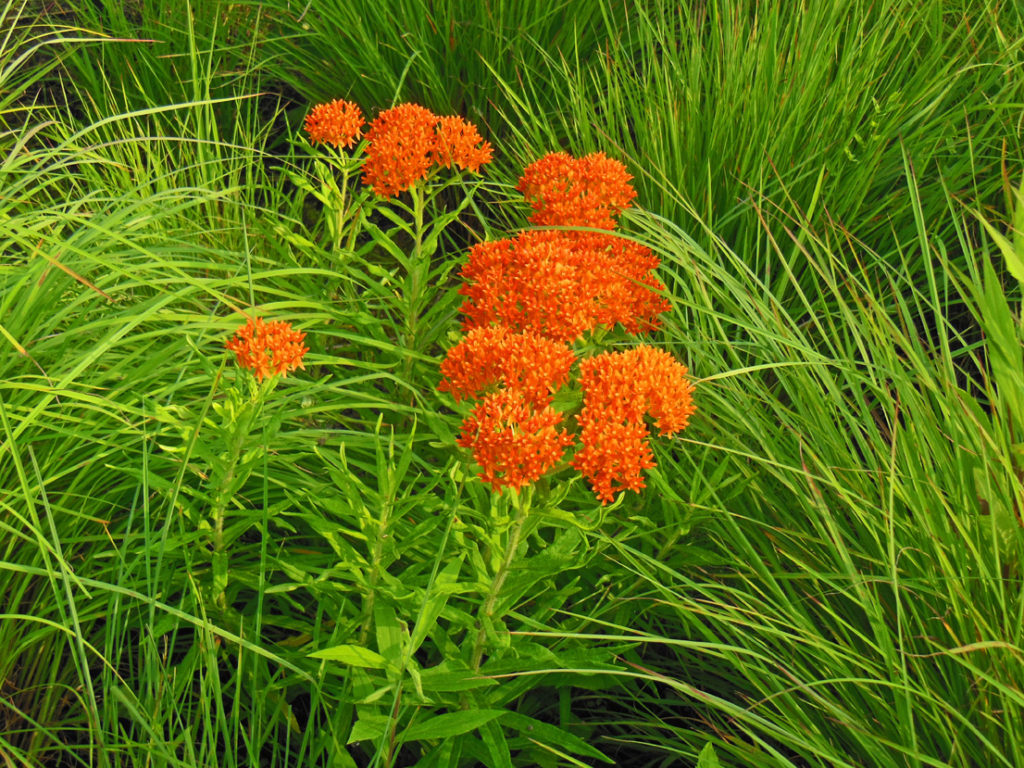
<point>240,431</point>
<point>377,555</point>
<point>416,280</point>
<point>221,503</point>
<point>487,613</point>
<point>220,507</point>
<point>342,213</point>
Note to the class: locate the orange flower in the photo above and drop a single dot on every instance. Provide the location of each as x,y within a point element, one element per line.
<point>513,442</point>
<point>458,141</point>
<point>535,281</point>
<point>401,143</point>
<point>630,293</point>
<point>569,192</point>
<point>525,362</point>
<point>561,284</point>
<point>613,457</point>
<point>619,388</point>
<point>268,348</point>
<point>338,122</point>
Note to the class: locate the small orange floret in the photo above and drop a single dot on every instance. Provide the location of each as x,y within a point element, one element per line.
<point>514,442</point>
<point>619,388</point>
<point>586,192</point>
<point>458,142</point>
<point>493,356</point>
<point>338,122</point>
<point>268,348</point>
<point>401,145</point>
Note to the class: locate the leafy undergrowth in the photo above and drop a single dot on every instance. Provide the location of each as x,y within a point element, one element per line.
<point>202,568</point>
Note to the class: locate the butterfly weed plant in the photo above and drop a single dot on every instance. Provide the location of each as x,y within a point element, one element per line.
<point>552,385</point>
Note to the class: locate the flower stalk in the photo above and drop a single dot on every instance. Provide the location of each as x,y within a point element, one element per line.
<point>521,503</point>
<point>268,350</point>
<point>375,568</point>
<point>417,278</point>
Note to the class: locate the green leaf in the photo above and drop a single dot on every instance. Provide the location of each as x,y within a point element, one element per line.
<point>451,724</point>
<point>389,634</point>
<point>1013,253</point>
<point>444,679</point>
<point>439,224</point>
<point>1018,224</point>
<point>385,242</point>
<point>448,752</point>
<point>369,727</point>
<point>707,757</point>
<point>1004,342</point>
<point>353,655</point>
<point>413,670</point>
<point>497,746</point>
<point>552,734</point>
<point>440,591</point>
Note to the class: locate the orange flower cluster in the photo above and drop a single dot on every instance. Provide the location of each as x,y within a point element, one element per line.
<point>458,142</point>
<point>535,281</point>
<point>558,283</point>
<point>405,141</point>
<point>513,429</point>
<point>268,348</point>
<point>561,284</point>
<point>338,122</point>
<point>526,298</point>
<point>619,388</point>
<point>496,356</point>
<point>513,440</point>
<point>564,191</point>
<point>401,140</point>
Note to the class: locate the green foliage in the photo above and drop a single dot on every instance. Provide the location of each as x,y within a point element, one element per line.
<point>734,114</point>
<point>825,570</point>
<point>860,598</point>
<point>438,54</point>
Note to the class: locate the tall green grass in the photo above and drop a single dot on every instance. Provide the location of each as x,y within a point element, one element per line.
<point>855,599</point>
<point>439,54</point>
<point>119,242</point>
<point>754,111</point>
<point>825,570</point>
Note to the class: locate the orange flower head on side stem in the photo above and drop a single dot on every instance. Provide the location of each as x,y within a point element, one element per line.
<point>268,348</point>
<point>494,355</point>
<point>629,294</point>
<point>457,141</point>
<point>568,192</point>
<point>514,442</point>
<point>614,456</point>
<point>338,122</point>
<point>619,389</point>
<point>401,146</point>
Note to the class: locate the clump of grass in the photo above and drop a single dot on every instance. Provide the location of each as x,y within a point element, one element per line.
<point>826,572</point>
<point>436,54</point>
<point>792,117</point>
<point>855,597</point>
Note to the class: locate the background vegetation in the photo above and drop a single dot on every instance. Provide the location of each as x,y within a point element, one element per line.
<point>825,569</point>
